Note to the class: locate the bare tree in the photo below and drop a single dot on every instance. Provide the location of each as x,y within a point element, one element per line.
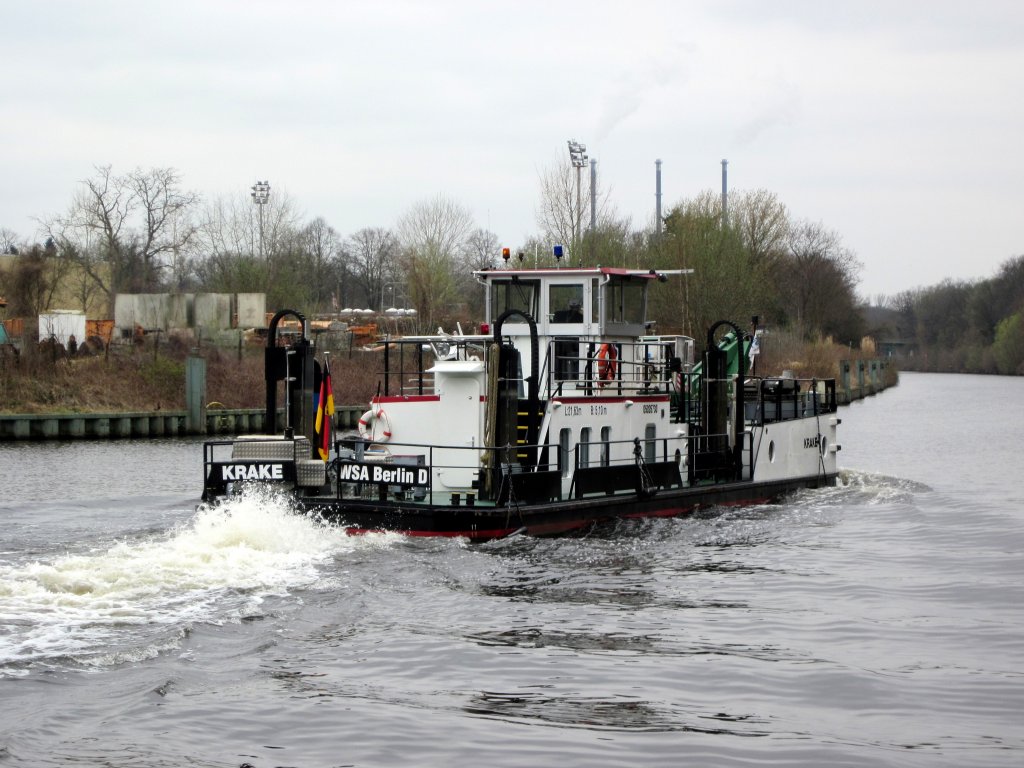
<point>374,253</point>
<point>440,225</point>
<point>480,252</point>
<point>120,230</point>
<point>433,235</point>
<point>231,224</point>
<point>818,276</point>
<point>763,223</point>
<point>323,249</point>
<point>561,213</point>
<point>558,214</point>
<point>225,227</point>
<point>225,251</point>
<point>9,241</point>
<point>166,227</point>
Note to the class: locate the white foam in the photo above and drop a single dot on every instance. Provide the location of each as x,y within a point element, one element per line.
<point>137,594</point>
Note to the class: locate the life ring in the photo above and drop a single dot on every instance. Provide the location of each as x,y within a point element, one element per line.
<point>607,364</point>
<point>367,422</point>
<point>679,380</point>
<point>679,384</point>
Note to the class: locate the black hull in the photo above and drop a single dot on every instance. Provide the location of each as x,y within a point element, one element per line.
<point>482,523</point>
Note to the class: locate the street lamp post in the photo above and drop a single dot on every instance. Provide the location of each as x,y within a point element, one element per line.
<point>578,156</point>
<point>261,196</point>
<point>390,288</point>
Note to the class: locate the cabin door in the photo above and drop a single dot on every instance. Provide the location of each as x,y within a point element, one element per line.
<point>461,419</point>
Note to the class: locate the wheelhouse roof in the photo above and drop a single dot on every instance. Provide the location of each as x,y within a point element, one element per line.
<point>648,274</point>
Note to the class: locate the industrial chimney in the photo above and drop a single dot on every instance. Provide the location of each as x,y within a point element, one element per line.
<point>657,196</point>
<point>725,193</point>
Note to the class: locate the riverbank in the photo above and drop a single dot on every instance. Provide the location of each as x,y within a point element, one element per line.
<point>139,391</point>
<point>858,379</point>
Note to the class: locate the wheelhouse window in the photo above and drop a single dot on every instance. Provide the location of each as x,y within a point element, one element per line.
<point>625,302</point>
<point>565,303</point>
<point>514,294</point>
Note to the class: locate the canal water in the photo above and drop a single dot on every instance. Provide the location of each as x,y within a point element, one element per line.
<point>877,623</point>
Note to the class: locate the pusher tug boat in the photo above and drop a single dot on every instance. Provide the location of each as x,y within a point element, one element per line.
<point>563,413</point>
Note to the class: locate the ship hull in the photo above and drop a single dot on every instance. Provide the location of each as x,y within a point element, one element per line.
<point>482,523</point>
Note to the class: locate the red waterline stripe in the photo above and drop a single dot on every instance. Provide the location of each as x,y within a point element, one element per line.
<point>490,534</point>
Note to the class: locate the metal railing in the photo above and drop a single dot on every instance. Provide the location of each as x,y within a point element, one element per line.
<point>575,366</point>
<point>406,360</point>
<point>768,400</point>
<point>438,460</point>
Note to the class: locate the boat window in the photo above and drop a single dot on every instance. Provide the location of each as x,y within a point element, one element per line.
<point>565,303</point>
<point>606,438</point>
<point>625,302</point>
<point>514,294</point>
<point>564,436</point>
<point>650,443</point>
<point>585,447</point>
<point>595,306</point>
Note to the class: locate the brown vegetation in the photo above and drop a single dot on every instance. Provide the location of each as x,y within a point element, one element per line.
<point>784,351</point>
<point>819,359</point>
<point>139,378</point>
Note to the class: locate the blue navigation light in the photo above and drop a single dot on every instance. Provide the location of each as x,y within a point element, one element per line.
<point>558,251</point>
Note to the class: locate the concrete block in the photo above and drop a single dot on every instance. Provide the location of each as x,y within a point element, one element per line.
<point>252,310</point>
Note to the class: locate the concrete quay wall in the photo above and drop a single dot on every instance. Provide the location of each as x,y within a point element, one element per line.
<point>140,424</point>
<point>862,378</point>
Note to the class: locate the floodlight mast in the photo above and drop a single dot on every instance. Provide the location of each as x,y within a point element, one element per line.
<point>578,156</point>
<point>261,196</point>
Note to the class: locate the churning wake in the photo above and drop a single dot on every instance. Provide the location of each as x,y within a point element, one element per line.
<point>137,598</point>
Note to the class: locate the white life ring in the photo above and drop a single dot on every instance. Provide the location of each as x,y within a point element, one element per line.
<point>368,421</point>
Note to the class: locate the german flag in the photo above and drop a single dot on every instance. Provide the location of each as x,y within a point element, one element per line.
<point>324,412</point>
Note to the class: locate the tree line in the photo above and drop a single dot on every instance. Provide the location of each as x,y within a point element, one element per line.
<point>962,326</point>
<point>144,231</point>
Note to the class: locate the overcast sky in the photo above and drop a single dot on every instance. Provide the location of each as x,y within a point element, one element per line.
<point>898,124</point>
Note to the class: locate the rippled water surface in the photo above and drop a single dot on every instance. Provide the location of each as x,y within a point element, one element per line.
<point>878,623</point>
